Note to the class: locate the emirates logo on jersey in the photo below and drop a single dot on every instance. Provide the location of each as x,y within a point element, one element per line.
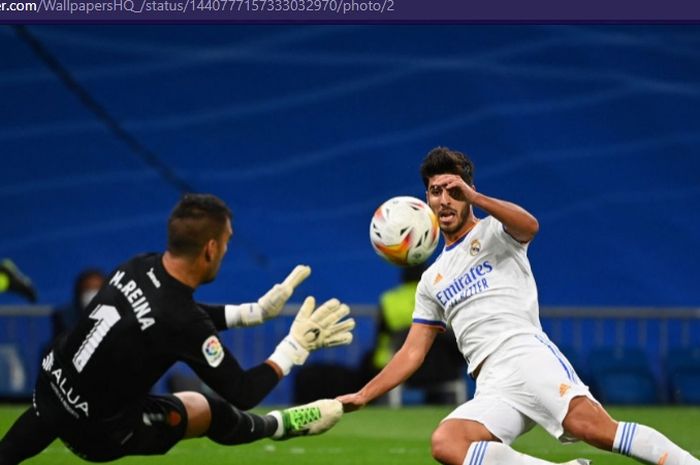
<point>475,247</point>
<point>473,281</point>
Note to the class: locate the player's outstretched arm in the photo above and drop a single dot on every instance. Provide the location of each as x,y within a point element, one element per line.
<point>517,221</point>
<point>268,306</point>
<point>402,365</point>
<point>312,329</point>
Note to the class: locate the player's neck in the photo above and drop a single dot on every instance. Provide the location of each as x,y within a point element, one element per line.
<point>181,269</point>
<point>463,231</point>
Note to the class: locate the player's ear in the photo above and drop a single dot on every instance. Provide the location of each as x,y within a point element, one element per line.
<point>210,250</point>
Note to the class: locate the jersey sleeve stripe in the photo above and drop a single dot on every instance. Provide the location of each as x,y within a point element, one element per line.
<point>436,323</point>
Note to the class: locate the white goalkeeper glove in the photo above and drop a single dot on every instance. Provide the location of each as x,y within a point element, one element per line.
<point>312,330</point>
<point>273,301</point>
<point>269,305</point>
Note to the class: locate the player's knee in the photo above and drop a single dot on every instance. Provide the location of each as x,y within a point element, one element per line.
<point>440,448</point>
<point>445,449</point>
<point>198,410</point>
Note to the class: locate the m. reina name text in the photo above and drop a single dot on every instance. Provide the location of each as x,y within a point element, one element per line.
<point>134,295</point>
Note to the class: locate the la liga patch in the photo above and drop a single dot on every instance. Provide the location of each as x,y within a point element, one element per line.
<point>213,351</point>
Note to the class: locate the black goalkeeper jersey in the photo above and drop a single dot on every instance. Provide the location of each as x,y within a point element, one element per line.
<point>140,323</point>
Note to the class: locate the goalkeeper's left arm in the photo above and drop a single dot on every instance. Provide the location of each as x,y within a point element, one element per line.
<point>313,328</point>
<point>268,306</point>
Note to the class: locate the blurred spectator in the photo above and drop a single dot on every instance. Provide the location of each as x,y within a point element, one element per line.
<point>13,280</point>
<point>395,314</point>
<point>87,284</point>
<point>443,363</point>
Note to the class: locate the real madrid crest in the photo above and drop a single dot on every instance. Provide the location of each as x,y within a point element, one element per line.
<point>475,247</point>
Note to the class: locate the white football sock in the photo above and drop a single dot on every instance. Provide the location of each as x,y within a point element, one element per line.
<point>496,453</point>
<point>649,446</point>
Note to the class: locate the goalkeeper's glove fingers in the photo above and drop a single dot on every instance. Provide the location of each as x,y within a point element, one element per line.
<point>330,313</point>
<point>340,334</point>
<point>273,301</point>
<point>322,328</point>
<point>311,330</point>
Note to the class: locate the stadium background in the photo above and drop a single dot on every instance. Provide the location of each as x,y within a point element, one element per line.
<point>305,130</point>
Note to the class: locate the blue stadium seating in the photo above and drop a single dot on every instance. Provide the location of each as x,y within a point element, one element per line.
<point>13,378</point>
<point>576,360</point>
<point>4,376</point>
<point>622,376</point>
<point>683,373</point>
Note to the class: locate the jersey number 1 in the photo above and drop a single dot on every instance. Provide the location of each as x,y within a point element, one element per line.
<point>105,316</point>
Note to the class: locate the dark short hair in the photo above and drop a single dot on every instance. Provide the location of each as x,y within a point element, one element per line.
<point>195,220</point>
<point>442,160</point>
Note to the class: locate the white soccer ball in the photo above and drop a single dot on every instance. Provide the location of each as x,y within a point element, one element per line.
<point>404,231</point>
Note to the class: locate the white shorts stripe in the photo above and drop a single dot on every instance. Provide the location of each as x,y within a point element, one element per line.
<point>556,354</point>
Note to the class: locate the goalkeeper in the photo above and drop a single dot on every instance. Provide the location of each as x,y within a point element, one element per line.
<point>93,387</point>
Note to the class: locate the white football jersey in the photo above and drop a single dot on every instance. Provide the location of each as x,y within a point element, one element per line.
<point>482,287</point>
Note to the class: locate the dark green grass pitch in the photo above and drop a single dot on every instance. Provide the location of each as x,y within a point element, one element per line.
<point>384,437</point>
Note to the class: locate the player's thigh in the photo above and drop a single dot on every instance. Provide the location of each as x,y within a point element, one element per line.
<point>589,421</point>
<point>485,418</point>
<point>152,427</point>
<point>544,384</point>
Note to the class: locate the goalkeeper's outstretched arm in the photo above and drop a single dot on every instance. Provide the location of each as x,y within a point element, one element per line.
<point>267,307</point>
<point>402,365</point>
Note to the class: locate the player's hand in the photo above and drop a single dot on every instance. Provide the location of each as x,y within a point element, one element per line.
<point>456,187</point>
<point>352,402</point>
<point>322,327</point>
<point>273,301</point>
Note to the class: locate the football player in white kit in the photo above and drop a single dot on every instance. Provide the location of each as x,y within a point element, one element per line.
<point>482,286</point>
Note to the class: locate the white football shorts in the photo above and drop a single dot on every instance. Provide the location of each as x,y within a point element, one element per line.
<point>527,381</point>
